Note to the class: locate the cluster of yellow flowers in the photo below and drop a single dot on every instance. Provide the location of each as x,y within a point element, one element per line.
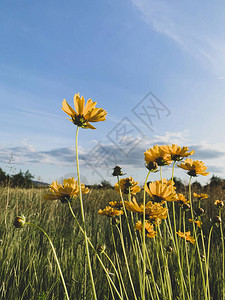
<point>165,155</point>
<point>160,192</point>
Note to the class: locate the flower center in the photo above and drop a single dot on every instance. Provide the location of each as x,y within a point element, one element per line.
<point>65,199</point>
<point>79,120</point>
<point>160,161</point>
<point>192,173</point>
<point>176,157</point>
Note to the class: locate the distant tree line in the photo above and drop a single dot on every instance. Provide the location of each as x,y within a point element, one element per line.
<point>21,179</point>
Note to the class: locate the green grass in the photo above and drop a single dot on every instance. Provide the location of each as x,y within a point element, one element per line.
<point>28,269</point>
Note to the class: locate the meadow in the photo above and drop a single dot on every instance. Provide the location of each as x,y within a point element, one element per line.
<point>160,241</point>
<point>28,269</point>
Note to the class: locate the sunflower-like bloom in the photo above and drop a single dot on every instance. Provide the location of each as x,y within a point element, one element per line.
<point>116,204</point>
<point>194,167</point>
<point>135,207</point>
<point>187,236</point>
<point>149,230</point>
<point>170,183</point>
<point>161,192</point>
<point>158,155</point>
<point>84,114</point>
<point>199,223</point>
<point>156,213</point>
<point>127,184</point>
<point>110,212</point>
<point>176,152</point>
<point>219,203</point>
<point>200,196</point>
<point>182,200</point>
<point>153,211</point>
<point>65,192</point>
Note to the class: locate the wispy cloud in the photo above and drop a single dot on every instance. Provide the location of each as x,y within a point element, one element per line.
<point>187,29</point>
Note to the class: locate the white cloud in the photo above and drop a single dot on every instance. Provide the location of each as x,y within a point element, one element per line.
<point>188,29</point>
<point>102,158</point>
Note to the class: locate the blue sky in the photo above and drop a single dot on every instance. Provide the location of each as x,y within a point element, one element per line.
<point>128,56</point>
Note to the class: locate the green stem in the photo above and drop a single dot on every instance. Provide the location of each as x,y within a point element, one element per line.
<point>126,261</point>
<point>83,219</point>
<point>56,258</point>
<point>118,264</point>
<point>92,246</point>
<point>188,265</point>
<point>208,251</point>
<point>223,254</point>
<point>134,244</point>
<point>196,240</point>
<point>143,240</point>
<point>152,274</point>
<point>165,264</point>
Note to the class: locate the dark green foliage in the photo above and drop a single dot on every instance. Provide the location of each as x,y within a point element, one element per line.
<point>21,179</point>
<point>3,177</point>
<point>216,181</point>
<point>106,183</point>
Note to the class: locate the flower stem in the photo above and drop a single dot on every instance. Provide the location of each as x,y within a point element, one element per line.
<point>56,258</point>
<point>92,246</point>
<point>196,240</point>
<point>223,258</point>
<point>83,219</point>
<point>143,240</point>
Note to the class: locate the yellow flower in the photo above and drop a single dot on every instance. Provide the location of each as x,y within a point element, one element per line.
<point>153,212</point>
<point>126,184</point>
<point>65,192</point>
<point>219,203</point>
<point>199,223</point>
<point>161,192</point>
<point>182,200</point>
<point>135,207</point>
<point>194,167</point>
<point>176,152</point>
<point>82,114</point>
<point>200,196</point>
<point>156,213</point>
<point>157,155</point>
<point>149,230</point>
<point>110,212</point>
<point>116,204</point>
<point>187,236</point>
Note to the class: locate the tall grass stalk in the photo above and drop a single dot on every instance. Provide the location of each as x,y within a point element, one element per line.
<point>196,241</point>
<point>83,219</point>
<point>223,254</point>
<point>92,246</point>
<point>143,239</point>
<point>55,255</point>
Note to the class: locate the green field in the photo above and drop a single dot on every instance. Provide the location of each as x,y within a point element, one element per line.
<point>28,269</point>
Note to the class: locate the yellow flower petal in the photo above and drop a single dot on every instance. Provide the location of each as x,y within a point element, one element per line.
<point>68,109</point>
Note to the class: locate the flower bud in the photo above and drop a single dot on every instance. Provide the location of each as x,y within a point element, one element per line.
<point>148,272</point>
<point>19,221</point>
<point>101,249</point>
<point>199,211</point>
<point>169,249</point>
<point>219,203</point>
<point>186,206</point>
<point>216,220</point>
<point>115,221</point>
<point>117,171</point>
<point>202,257</point>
